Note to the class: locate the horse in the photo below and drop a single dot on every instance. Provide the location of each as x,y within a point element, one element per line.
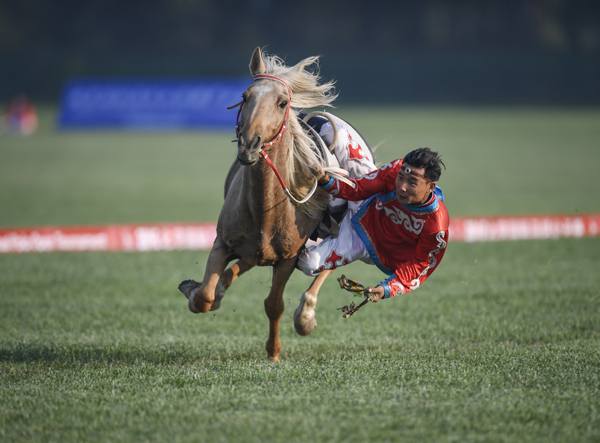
<point>271,207</point>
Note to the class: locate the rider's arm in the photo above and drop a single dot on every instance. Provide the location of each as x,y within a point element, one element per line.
<point>410,274</point>
<point>381,180</point>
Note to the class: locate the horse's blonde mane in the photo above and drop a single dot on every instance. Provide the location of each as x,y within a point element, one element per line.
<point>305,87</point>
<point>304,165</point>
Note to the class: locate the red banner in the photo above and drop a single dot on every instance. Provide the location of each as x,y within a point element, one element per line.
<point>200,236</point>
<point>473,229</point>
<point>161,237</point>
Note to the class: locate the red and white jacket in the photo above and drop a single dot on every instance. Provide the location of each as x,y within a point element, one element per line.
<point>406,242</point>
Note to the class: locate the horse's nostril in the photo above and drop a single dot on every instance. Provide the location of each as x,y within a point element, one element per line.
<point>256,144</point>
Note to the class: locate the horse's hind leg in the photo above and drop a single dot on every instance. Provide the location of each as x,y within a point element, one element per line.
<point>304,316</point>
<point>274,305</point>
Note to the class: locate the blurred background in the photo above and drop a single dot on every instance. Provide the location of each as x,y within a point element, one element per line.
<point>533,52</point>
<point>502,340</point>
<point>508,91</point>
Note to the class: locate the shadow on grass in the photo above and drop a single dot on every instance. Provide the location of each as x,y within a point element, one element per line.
<point>183,354</point>
<point>162,354</point>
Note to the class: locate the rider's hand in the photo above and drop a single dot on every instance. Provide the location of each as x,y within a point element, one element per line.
<point>324,179</point>
<point>378,291</point>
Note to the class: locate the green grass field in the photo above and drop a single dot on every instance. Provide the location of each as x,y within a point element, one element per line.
<point>498,162</point>
<point>501,344</point>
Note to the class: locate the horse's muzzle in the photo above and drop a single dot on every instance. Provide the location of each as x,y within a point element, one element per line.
<point>248,154</point>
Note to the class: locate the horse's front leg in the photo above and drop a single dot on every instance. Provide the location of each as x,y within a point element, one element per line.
<point>304,316</point>
<point>274,305</point>
<point>202,296</point>
<point>229,276</point>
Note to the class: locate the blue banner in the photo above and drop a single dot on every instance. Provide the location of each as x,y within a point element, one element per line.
<point>150,104</point>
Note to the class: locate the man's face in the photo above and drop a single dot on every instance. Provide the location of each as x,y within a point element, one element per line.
<point>410,189</point>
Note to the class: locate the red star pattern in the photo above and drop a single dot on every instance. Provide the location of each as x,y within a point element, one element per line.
<point>355,149</point>
<point>333,261</point>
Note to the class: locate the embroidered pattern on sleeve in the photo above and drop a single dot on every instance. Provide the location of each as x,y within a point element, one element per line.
<point>399,290</point>
<point>432,260</point>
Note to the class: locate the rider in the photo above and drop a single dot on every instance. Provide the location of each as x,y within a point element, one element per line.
<point>402,227</point>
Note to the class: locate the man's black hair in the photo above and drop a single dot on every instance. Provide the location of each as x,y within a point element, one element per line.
<point>427,159</point>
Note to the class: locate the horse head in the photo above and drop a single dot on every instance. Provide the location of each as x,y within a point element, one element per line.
<point>266,107</point>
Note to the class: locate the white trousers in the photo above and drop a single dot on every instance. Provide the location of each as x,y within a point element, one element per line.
<point>332,253</point>
<point>351,152</point>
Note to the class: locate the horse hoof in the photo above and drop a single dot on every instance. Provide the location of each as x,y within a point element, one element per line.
<point>200,306</point>
<point>187,286</point>
<point>304,315</point>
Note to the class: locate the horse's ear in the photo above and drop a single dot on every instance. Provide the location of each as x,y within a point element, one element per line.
<point>257,66</point>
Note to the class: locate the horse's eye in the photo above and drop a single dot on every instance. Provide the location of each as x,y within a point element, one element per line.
<point>283,104</point>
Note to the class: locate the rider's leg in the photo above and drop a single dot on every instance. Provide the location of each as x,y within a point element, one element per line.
<point>320,261</point>
<point>351,150</point>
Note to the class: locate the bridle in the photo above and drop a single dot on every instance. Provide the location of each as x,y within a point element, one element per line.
<point>279,135</point>
<point>277,139</point>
